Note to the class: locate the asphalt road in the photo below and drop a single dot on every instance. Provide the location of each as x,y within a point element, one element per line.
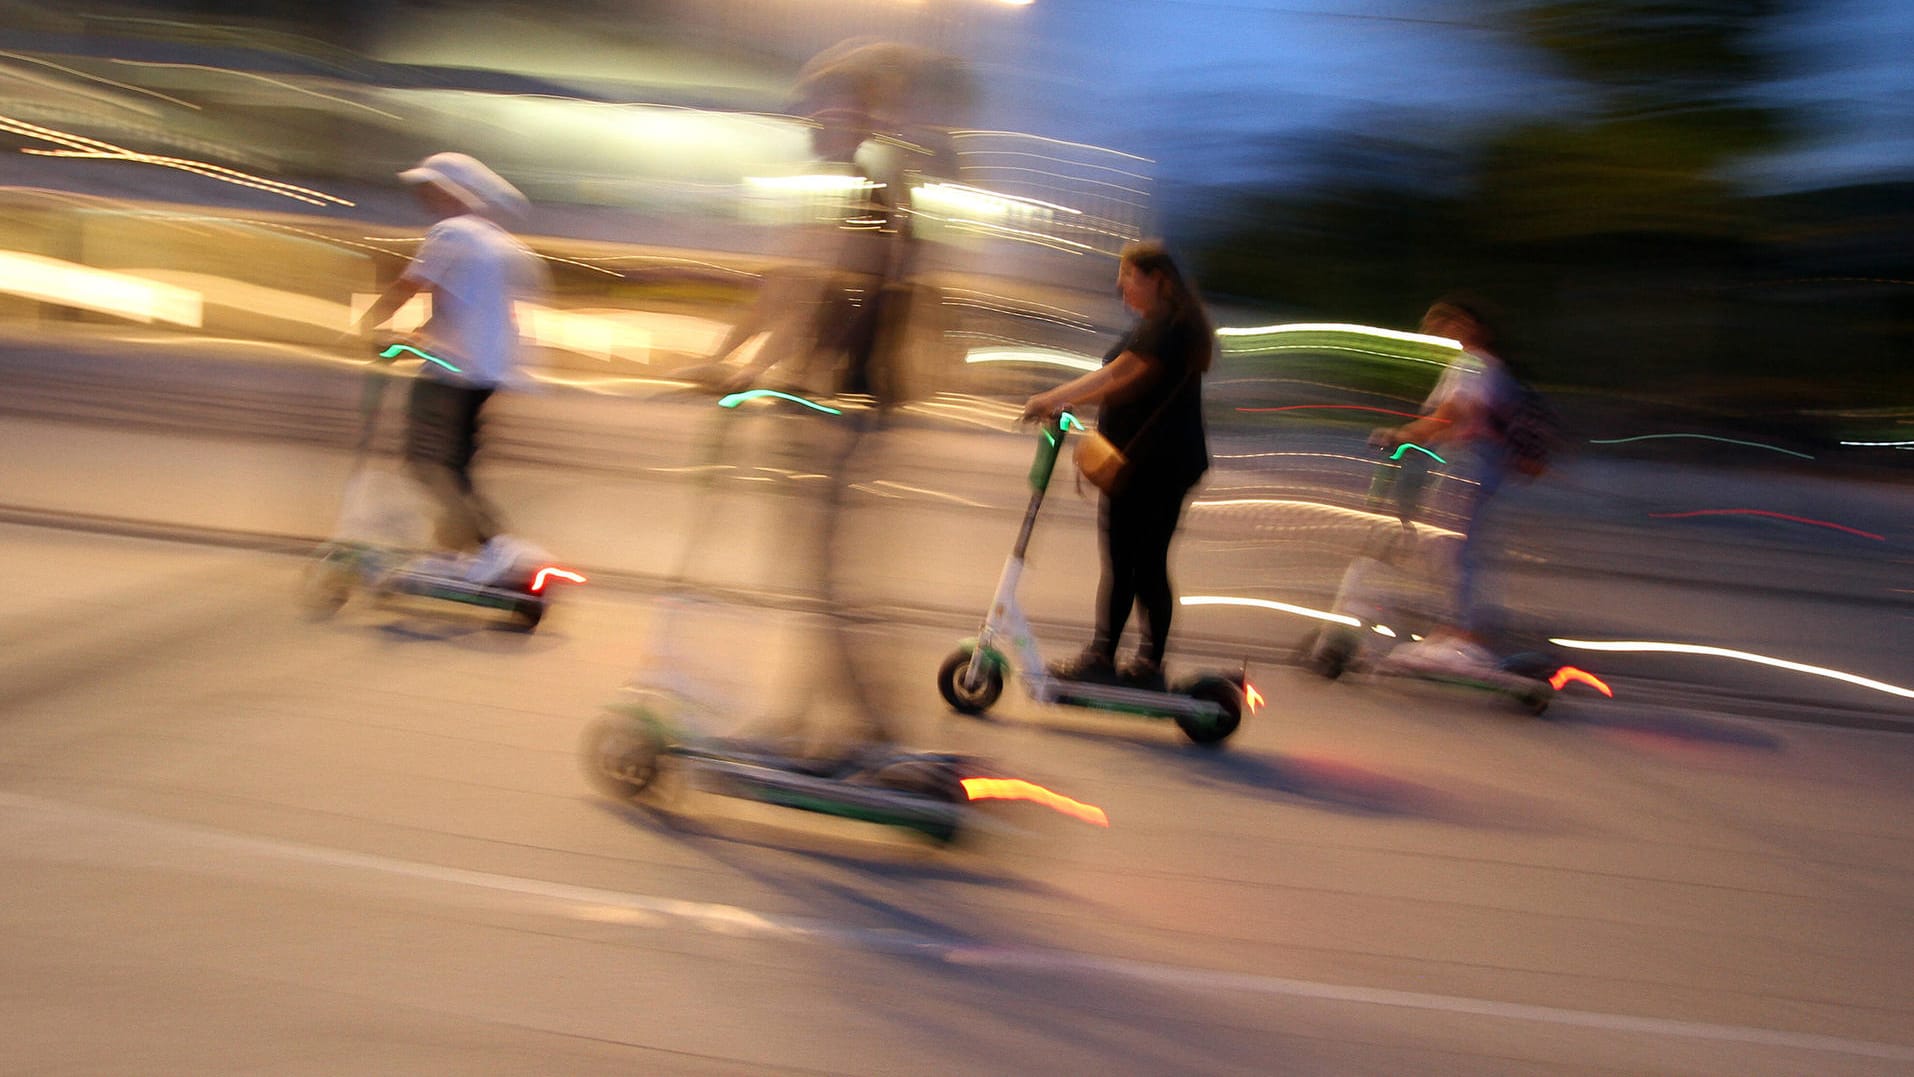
<point>240,841</point>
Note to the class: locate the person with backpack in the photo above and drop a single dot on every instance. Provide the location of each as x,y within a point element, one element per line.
<point>1468,418</point>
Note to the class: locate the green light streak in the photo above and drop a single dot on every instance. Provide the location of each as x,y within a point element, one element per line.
<point>735,399</point>
<point>1067,421</point>
<point>1703,437</point>
<point>1407,445</point>
<point>395,350</point>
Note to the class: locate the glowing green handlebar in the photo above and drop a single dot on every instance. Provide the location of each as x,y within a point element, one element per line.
<point>735,399</point>
<point>396,350</point>
<point>1407,445</point>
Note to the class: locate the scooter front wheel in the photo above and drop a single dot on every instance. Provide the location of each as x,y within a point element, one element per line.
<point>621,754</point>
<point>963,698</point>
<point>327,585</point>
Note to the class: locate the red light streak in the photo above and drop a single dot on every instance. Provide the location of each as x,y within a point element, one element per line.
<point>1569,673</point>
<point>1776,515</point>
<point>1018,789</point>
<point>548,572</point>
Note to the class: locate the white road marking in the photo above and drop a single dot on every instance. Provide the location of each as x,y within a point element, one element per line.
<point>601,905</point>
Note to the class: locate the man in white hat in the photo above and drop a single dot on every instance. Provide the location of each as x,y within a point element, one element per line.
<point>474,271</point>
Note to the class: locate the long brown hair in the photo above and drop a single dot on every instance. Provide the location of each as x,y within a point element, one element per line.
<point>1151,256</point>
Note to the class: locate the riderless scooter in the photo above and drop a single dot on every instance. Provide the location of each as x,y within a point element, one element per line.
<point>1207,708</point>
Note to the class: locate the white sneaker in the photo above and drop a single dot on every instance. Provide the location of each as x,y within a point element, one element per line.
<point>497,558</point>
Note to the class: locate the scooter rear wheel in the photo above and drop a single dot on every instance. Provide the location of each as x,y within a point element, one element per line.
<point>528,613</point>
<point>1218,690</point>
<point>927,777</point>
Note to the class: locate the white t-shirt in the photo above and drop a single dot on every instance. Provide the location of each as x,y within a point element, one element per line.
<point>1477,386</point>
<point>476,271</point>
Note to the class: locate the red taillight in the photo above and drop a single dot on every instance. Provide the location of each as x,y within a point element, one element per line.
<point>1018,789</point>
<point>551,572</point>
<point>1569,673</point>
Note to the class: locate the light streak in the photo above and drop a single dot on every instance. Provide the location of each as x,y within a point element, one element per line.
<point>1044,356</point>
<point>1700,437</point>
<point>1053,142</point>
<point>79,146</point>
<point>1649,646</point>
<point>96,78</point>
<point>282,84</point>
<point>1253,697</point>
<point>1339,327</point>
<point>549,573</point>
<point>735,399</point>
<point>1018,789</point>
<point>1267,604</point>
<point>1340,407</point>
<point>396,350</point>
<point>1775,515</point>
<point>1571,674</point>
<point>71,284</point>
<point>1881,444</point>
<point>1407,445</point>
<point>979,198</point>
<point>881,487</point>
<point>1047,157</point>
<point>826,183</point>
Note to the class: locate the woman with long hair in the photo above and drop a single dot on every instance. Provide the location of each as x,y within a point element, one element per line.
<point>1149,393</point>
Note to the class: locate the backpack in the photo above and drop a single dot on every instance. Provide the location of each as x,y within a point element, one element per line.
<point>1530,427</point>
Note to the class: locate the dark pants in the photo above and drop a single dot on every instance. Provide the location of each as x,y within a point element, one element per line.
<point>1137,524</point>
<point>441,437</point>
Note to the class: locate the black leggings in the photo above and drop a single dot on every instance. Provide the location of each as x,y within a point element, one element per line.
<point>1137,524</point>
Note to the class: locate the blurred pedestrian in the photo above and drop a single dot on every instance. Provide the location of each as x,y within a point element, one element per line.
<point>825,307</point>
<point>1150,396</point>
<point>474,271</point>
<point>1462,420</point>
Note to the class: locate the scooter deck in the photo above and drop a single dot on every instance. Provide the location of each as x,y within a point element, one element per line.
<point>1122,698</point>
<point>1533,694</point>
<point>720,774</point>
<point>426,585</point>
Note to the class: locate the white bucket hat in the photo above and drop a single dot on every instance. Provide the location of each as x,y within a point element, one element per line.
<point>465,178</point>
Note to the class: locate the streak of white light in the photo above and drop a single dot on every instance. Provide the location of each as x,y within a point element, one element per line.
<point>1653,646</point>
<point>1267,604</point>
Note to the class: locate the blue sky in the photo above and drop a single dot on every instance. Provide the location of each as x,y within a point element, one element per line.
<point>1180,80</point>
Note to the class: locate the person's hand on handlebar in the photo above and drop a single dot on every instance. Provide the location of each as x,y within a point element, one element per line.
<point>1044,406</point>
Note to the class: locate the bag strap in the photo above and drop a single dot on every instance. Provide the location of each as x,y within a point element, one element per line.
<point>1188,376</point>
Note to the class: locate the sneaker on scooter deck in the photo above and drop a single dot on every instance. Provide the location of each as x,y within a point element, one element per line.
<point>1143,673</point>
<point>1090,667</point>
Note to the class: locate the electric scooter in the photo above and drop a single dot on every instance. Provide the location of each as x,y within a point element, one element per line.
<point>1375,610</point>
<point>644,752</point>
<point>1207,708</point>
<point>511,578</point>
<point>653,747</point>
